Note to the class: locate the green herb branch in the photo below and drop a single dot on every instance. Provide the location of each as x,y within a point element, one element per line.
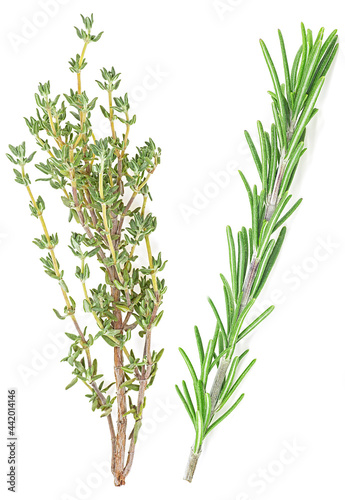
<point>100,182</point>
<point>254,256</point>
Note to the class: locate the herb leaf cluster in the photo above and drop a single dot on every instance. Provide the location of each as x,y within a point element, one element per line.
<point>105,190</point>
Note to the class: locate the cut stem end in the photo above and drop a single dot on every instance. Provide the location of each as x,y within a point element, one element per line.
<point>191,465</point>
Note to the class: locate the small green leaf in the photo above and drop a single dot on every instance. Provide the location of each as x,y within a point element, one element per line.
<point>232,260</point>
<point>199,344</point>
<point>189,364</point>
<point>72,383</point>
<point>71,336</point>
<point>226,414</point>
<point>184,403</point>
<point>255,323</point>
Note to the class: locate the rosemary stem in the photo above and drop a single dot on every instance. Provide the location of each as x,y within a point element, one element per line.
<point>218,381</point>
<point>223,365</point>
<point>273,198</point>
<point>191,465</point>
<point>293,107</point>
<point>248,282</point>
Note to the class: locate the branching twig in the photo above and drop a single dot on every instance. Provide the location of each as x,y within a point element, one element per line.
<point>96,176</point>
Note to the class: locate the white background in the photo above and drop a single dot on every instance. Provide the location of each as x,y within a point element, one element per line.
<point>209,83</point>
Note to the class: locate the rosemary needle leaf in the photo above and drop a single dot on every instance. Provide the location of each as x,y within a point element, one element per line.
<point>214,340</point>
<point>226,414</point>
<point>286,68</point>
<point>189,364</point>
<point>288,214</point>
<point>329,42</point>
<point>233,388</point>
<point>268,147</point>
<point>255,323</point>
<point>199,344</point>
<point>251,245</point>
<point>237,326</point>
<point>255,218</point>
<point>229,295</point>
<point>200,401</point>
<point>228,316</point>
<point>275,80</point>
<point>185,404</point>
<point>221,354</point>
<point>326,63</point>
<point>302,122</point>
<point>210,352</point>
<point>254,153</point>
<point>313,60</point>
<point>262,266</point>
<point>232,260</point>
<point>249,191</point>
<point>262,205</point>
<point>271,261</point>
<point>206,363</point>
<point>294,69</point>
<point>244,353</point>
<point>188,398</point>
<point>320,35</point>
<point>220,349</point>
<point>263,154</point>
<point>245,247</point>
<point>241,261</point>
<point>280,130</point>
<point>271,144</point>
<point>294,172</point>
<point>304,54</point>
<point>290,167</point>
<point>236,317</point>
<point>309,40</point>
<point>216,313</point>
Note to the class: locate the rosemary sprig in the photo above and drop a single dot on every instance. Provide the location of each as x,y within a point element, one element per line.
<point>252,259</point>
<point>100,183</point>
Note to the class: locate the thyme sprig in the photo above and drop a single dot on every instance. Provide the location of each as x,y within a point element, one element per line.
<point>254,256</point>
<point>100,183</point>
